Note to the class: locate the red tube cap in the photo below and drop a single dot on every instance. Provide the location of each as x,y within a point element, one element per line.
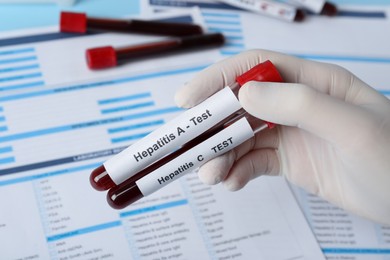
<point>73,22</point>
<point>266,72</point>
<point>101,58</point>
<point>329,9</point>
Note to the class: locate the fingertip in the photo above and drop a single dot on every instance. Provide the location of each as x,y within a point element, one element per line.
<point>216,170</point>
<point>233,185</point>
<point>208,177</point>
<point>243,94</point>
<point>237,178</point>
<point>279,103</point>
<point>209,174</point>
<point>254,164</point>
<point>181,98</point>
<point>250,97</point>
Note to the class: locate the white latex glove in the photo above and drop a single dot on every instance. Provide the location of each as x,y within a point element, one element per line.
<point>333,137</point>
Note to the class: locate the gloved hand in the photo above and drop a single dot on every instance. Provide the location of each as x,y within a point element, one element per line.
<point>333,137</point>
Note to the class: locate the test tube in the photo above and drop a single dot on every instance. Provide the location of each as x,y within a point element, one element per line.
<point>329,9</point>
<point>101,180</point>
<point>79,23</point>
<point>316,6</point>
<point>167,170</point>
<point>107,56</point>
<point>270,8</point>
<point>221,105</point>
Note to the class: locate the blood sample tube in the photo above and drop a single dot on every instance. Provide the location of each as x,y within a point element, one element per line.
<point>329,9</point>
<point>167,170</point>
<point>101,180</point>
<point>316,6</point>
<point>80,23</point>
<point>107,56</point>
<point>197,120</point>
<point>273,9</point>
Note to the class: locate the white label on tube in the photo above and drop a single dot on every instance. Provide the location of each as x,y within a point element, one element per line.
<point>270,8</point>
<point>214,146</point>
<point>312,5</point>
<point>172,135</point>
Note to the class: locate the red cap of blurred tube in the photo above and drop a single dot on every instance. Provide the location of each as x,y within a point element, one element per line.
<point>102,57</point>
<point>264,72</point>
<point>73,22</point>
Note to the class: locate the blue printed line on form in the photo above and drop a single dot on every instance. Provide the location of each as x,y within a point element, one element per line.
<point>3,128</point>
<point>124,98</point>
<point>41,38</point>
<point>84,231</point>
<point>129,107</point>
<point>27,95</point>
<point>232,37</point>
<point>341,13</point>
<point>129,138</point>
<point>6,149</point>
<point>364,2</point>
<point>7,160</point>
<point>58,129</point>
<point>226,30</point>
<point>134,116</point>
<point>19,77</point>
<point>26,67</point>
<point>212,14</point>
<point>237,45</point>
<point>24,85</point>
<point>229,53</point>
<point>16,51</point>
<point>356,251</point>
<point>361,14</point>
<point>135,126</point>
<point>49,174</point>
<point>18,59</point>
<point>63,161</point>
<point>101,84</point>
<point>191,4</point>
<point>58,35</point>
<point>343,58</point>
<point>228,25</point>
<point>223,22</point>
<point>2,118</point>
<point>153,208</point>
<point>35,133</point>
